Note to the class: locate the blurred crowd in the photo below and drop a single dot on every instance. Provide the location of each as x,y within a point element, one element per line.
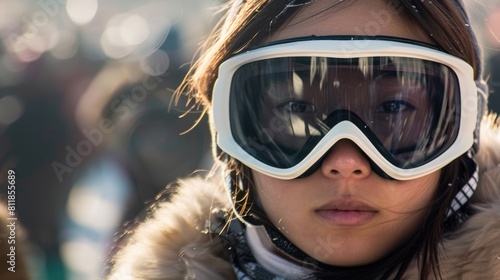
<point>88,120</point>
<point>89,123</point>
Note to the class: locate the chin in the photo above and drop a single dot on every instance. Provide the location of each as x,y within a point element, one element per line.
<point>349,258</point>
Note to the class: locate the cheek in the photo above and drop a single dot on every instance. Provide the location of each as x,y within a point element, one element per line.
<point>421,191</point>
<point>271,194</point>
<point>410,201</point>
<point>283,201</point>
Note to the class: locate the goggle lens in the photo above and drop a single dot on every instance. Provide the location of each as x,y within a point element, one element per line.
<point>281,108</point>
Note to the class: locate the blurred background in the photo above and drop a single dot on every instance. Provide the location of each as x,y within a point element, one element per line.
<point>88,122</point>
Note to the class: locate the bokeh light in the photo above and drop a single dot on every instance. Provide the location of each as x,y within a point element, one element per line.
<point>11,109</point>
<point>493,29</point>
<point>81,12</point>
<point>134,30</point>
<point>112,43</point>
<point>156,64</point>
<point>65,44</point>
<point>80,262</point>
<point>96,206</point>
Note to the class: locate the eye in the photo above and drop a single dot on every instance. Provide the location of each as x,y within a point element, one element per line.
<point>394,106</point>
<point>297,106</point>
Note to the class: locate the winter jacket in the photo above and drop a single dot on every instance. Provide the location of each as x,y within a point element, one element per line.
<point>172,243</point>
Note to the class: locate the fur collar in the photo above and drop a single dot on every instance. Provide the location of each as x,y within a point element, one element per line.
<point>170,243</point>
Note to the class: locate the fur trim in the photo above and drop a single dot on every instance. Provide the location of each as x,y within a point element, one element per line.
<point>170,244</point>
<point>474,251</point>
<point>488,159</point>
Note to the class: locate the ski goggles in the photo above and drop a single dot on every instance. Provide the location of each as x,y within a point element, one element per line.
<point>408,106</point>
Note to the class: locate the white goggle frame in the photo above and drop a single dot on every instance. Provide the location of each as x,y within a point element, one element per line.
<point>354,48</point>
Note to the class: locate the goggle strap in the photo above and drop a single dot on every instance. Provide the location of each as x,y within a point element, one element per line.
<point>482,97</point>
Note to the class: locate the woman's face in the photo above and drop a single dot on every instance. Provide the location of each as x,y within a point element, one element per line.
<point>344,214</point>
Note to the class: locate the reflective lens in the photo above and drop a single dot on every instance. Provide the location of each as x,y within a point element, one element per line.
<point>281,108</point>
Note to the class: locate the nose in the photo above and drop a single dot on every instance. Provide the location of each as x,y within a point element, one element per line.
<point>345,160</point>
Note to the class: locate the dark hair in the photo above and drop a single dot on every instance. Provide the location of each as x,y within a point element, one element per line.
<point>249,23</point>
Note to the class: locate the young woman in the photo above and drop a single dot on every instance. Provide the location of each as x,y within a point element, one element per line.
<point>347,134</point>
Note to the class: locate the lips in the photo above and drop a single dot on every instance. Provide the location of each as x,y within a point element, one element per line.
<point>346,212</point>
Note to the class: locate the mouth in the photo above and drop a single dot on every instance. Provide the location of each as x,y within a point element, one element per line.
<point>346,212</point>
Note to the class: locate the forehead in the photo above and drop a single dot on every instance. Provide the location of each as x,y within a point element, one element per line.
<point>357,17</point>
